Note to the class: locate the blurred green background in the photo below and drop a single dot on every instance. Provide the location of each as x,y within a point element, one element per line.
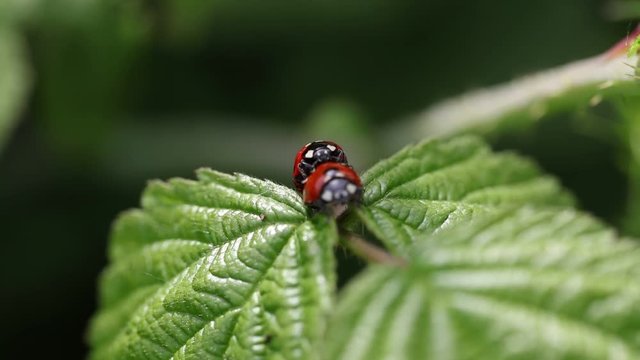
<point>118,92</point>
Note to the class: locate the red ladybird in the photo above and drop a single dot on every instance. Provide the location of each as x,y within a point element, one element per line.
<point>312,155</point>
<point>331,187</point>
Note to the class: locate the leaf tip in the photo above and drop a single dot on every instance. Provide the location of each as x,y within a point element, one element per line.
<point>207,174</point>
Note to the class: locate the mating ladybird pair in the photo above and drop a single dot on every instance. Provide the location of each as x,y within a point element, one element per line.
<point>325,178</point>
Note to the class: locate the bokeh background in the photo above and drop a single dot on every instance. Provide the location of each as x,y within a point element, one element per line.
<point>125,91</point>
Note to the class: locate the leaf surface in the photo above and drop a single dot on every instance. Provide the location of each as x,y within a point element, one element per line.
<point>525,284</point>
<point>226,266</point>
<point>439,183</point>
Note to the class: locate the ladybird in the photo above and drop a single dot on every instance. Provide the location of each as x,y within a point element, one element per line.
<point>332,187</point>
<point>312,155</point>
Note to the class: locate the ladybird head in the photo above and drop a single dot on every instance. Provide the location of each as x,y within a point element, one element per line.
<point>332,187</point>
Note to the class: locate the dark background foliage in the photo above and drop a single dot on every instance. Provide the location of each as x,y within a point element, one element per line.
<point>125,91</point>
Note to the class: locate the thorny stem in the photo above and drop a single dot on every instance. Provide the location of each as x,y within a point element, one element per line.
<point>371,252</point>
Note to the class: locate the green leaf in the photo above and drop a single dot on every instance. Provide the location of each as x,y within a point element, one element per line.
<point>439,183</point>
<point>14,80</point>
<point>525,284</point>
<point>226,266</point>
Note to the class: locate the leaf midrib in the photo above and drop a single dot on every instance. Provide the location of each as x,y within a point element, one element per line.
<point>417,176</point>
<point>212,247</point>
<point>544,315</point>
<point>119,332</point>
<point>444,295</point>
<point>254,288</point>
<point>389,194</point>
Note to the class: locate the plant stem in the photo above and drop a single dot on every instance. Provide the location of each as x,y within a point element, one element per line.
<point>371,252</point>
<point>528,98</point>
